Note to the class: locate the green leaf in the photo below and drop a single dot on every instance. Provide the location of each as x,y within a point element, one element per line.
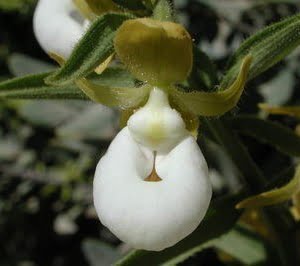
<point>268,132</point>
<point>210,228</point>
<point>98,253</point>
<point>267,48</point>
<point>243,245</point>
<point>21,65</point>
<point>50,113</point>
<point>130,4</point>
<point>204,73</point>
<point>34,87</point>
<point>92,50</point>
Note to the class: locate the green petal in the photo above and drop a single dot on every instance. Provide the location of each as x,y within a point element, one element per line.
<point>274,196</point>
<point>123,98</point>
<point>214,103</point>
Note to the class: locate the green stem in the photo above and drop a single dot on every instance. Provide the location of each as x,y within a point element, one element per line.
<point>255,182</point>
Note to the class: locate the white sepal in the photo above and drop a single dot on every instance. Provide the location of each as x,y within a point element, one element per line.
<point>156,125</point>
<point>58,26</point>
<point>151,215</point>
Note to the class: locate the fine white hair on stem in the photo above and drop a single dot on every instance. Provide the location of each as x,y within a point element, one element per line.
<point>57,26</point>
<point>151,215</point>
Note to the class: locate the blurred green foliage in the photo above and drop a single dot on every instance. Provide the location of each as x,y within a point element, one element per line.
<point>17,5</point>
<point>49,149</point>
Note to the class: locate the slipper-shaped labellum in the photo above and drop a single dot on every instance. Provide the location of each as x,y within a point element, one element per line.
<point>151,188</point>
<point>58,26</point>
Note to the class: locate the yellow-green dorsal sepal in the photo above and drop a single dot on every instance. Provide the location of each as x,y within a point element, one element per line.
<point>84,9</point>
<point>157,52</point>
<point>213,103</point>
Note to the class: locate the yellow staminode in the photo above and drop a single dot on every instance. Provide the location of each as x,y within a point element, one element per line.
<point>156,52</point>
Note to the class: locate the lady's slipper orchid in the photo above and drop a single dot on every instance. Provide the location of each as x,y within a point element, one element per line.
<point>151,189</point>
<point>58,26</point>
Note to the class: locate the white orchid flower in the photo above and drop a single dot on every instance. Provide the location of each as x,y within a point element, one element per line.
<point>151,189</point>
<point>58,26</point>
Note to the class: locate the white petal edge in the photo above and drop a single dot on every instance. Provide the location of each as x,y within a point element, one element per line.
<point>151,215</point>
<point>55,26</point>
